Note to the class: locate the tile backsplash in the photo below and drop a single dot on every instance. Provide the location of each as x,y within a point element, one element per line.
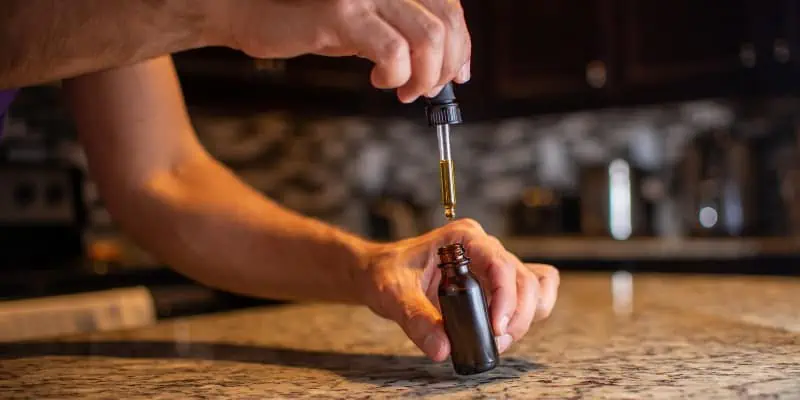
<point>346,170</point>
<point>336,168</point>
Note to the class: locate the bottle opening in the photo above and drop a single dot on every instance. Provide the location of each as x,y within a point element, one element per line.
<point>452,253</point>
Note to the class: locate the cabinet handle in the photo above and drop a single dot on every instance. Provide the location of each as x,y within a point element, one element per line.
<point>747,54</point>
<point>596,74</point>
<point>271,67</point>
<point>780,50</point>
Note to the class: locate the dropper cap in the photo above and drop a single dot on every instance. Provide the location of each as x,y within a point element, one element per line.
<point>443,109</point>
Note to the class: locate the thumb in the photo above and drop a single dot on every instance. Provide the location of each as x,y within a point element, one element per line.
<point>422,322</point>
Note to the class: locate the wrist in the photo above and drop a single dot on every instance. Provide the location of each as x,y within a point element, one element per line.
<point>369,280</point>
<point>359,270</point>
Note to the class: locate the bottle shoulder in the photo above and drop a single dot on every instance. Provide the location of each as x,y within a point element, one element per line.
<point>461,282</point>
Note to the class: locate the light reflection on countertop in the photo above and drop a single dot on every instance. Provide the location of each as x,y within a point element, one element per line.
<point>674,336</point>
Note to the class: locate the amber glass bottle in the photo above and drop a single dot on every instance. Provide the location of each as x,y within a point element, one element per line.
<point>465,313</point>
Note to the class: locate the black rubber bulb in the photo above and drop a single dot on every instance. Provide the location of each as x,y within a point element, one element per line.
<point>443,108</point>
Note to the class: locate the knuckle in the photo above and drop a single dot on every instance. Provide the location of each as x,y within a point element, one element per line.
<point>545,271</point>
<point>412,316</point>
<point>530,278</point>
<point>529,283</point>
<point>433,34</point>
<point>351,8</point>
<point>393,49</point>
<point>454,13</point>
<point>507,260</point>
<point>468,224</point>
<point>496,242</point>
<point>552,273</point>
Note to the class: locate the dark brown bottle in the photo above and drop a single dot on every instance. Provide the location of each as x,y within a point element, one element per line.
<point>465,314</point>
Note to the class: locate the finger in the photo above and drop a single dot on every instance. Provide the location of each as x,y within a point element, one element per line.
<point>380,43</point>
<point>425,34</point>
<point>433,289</point>
<point>527,300</point>
<point>458,44</point>
<point>460,231</point>
<point>549,281</point>
<point>464,73</point>
<point>489,259</point>
<point>422,323</point>
<point>489,262</point>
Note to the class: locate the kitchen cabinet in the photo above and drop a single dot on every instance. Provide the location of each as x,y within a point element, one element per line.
<point>776,43</point>
<point>539,56</point>
<point>545,51</point>
<point>791,13</point>
<point>337,73</point>
<point>683,47</point>
<point>222,78</point>
<point>218,63</point>
<point>332,85</point>
<point>231,81</point>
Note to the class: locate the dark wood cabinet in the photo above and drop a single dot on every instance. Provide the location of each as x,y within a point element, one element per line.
<point>771,25</point>
<point>791,30</point>
<point>224,64</point>
<point>229,80</point>
<point>533,56</point>
<point>336,73</point>
<point>683,44</point>
<point>549,49</point>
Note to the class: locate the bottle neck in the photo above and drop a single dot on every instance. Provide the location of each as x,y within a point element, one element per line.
<point>453,270</point>
<point>453,261</point>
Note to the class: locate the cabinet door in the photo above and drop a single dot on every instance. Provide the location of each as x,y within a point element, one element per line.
<point>785,45</point>
<point>338,73</point>
<point>682,41</point>
<point>774,44</point>
<point>544,49</point>
<point>224,64</point>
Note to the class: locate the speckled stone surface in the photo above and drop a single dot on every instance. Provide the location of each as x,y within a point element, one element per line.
<point>697,337</point>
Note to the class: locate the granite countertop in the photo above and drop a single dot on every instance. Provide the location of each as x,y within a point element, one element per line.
<point>680,336</point>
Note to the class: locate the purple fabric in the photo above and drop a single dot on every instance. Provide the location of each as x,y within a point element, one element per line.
<point>6,98</point>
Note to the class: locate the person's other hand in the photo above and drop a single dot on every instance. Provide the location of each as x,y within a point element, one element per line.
<point>402,280</point>
<point>417,45</point>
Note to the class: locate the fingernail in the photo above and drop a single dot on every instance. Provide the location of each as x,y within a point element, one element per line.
<point>432,344</point>
<point>435,91</point>
<point>464,73</point>
<point>503,342</point>
<point>409,100</point>
<point>503,324</point>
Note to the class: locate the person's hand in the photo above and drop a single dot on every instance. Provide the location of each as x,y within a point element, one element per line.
<point>402,280</point>
<point>417,45</point>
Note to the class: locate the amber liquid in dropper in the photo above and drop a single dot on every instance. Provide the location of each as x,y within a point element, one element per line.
<point>447,180</point>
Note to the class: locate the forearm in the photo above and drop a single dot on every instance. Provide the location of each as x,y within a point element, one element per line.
<point>167,193</point>
<point>46,40</point>
<point>208,225</point>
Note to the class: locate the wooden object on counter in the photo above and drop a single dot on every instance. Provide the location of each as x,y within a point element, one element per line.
<point>78,313</point>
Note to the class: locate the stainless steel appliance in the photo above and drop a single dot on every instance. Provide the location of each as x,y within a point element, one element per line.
<point>41,215</point>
